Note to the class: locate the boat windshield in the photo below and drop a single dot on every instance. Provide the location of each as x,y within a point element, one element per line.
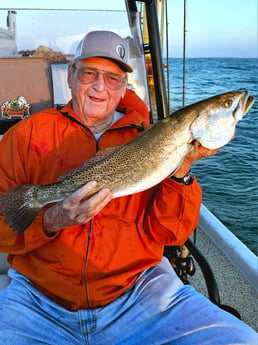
<point>28,32</point>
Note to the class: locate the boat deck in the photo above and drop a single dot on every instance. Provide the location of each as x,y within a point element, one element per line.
<point>234,290</point>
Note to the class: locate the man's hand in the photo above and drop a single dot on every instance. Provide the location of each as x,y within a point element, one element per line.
<point>76,209</point>
<point>197,153</point>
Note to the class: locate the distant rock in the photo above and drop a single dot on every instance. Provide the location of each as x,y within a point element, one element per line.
<point>50,55</point>
<point>46,52</point>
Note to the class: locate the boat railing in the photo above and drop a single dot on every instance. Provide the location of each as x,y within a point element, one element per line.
<point>235,250</point>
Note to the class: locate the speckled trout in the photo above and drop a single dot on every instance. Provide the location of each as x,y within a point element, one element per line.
<point>142,163</point>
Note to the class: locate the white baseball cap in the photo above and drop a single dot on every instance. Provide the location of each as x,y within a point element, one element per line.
<point>104,44</point>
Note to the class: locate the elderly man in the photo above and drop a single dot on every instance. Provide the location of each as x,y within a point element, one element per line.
<point>90,269</point>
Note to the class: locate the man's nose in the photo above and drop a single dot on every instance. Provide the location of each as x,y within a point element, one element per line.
<point>99,83</point>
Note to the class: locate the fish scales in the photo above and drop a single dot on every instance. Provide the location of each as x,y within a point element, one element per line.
<point>147,157</point>
<point>139,164</point>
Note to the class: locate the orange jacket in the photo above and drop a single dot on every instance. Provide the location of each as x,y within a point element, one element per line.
<point>89,265</point>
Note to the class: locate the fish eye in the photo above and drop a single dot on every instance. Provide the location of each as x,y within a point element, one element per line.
<point>228,103</point>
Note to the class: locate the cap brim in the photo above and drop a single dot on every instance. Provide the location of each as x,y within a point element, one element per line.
<point>124,66</point>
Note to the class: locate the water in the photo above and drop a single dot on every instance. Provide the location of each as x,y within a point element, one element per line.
<point>228,179</point>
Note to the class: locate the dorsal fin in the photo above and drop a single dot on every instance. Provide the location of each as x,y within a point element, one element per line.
<point>100,155</point>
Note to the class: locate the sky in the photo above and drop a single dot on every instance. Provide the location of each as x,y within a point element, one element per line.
<point>215,28</point>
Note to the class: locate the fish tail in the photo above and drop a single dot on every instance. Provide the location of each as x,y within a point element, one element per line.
<point>20,207</point>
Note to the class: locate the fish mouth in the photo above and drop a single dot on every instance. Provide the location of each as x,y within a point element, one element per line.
<point>244,105</point>
<point>248,102</point>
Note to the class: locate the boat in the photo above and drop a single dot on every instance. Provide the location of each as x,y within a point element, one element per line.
<point>213,260</point>
<point>8,36</point>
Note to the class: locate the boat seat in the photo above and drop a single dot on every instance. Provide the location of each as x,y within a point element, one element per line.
<point>4,266</point>
<point>28,77</point>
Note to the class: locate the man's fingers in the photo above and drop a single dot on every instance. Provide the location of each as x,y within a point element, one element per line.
<point>96,202</point>
<point>78,208</point>
<point>76,197</point>
<point>204,152</point>
<point>92,206</point>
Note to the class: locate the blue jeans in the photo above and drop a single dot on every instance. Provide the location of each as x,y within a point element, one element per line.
<point>157,309</point>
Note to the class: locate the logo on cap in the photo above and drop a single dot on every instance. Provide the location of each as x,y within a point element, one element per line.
<point>120,51</point>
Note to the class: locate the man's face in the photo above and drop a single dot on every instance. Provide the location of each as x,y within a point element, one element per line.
<point>93,97</point>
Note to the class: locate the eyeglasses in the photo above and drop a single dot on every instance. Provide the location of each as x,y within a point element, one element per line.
<point>88,75</point>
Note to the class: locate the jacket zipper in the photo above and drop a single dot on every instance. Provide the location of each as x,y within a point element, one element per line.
<point>85,265</point>
<point>131,126</point>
